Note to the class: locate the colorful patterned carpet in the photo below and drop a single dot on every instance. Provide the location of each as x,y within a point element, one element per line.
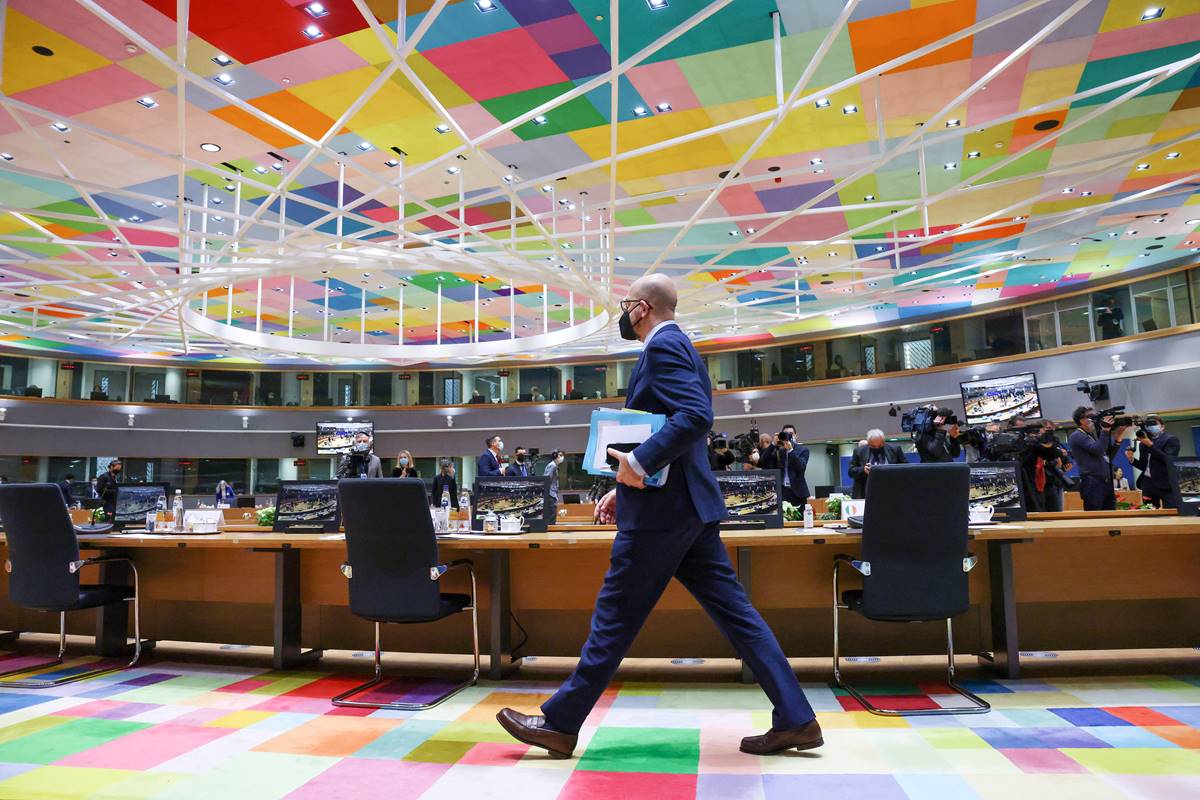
<point>176,730</point>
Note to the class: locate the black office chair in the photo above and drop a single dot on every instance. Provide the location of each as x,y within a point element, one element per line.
<point>393,569</point>
<point>914,561</point>
<point>43,565</point>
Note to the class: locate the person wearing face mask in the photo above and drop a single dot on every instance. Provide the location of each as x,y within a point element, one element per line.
<point>875,451</point>
<point>406,466</point>
<point>488,463</point>
<point>360,461</point>
<point>1155,459</point>
<point>767,456</point>
<point>665,532</point>
<point>442,481</point>
<point>551,472</point>
<point>106,487</point>
<point>1093,443</point>
<point>519,468</point>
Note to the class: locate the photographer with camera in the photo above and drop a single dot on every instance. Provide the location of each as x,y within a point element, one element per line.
<point>1093,443</point>
<point>1050,476</point>
<point>793,463</point>
<point>1155,459</point>
<point>938,443</point>
<point>360,462</point>
<point>719,454</point>
<point>875,451</point>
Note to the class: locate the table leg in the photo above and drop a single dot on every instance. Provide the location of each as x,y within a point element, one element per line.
<point>112,621</point>
<point>501,661</point>
<point>743,573</point>
<point>288,653</point>
<point>1005,658</point>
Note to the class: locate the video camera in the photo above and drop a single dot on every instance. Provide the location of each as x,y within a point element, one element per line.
<point>920,420</point>
<point>742,444</point>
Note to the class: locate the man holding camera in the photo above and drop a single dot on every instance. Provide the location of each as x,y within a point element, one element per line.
<point>793,463</point>
<point>1155,459</point>
<point>1093,444</point>
<point>360,462</point>
<point>719,454</point>
<point>875,451</point>
<point>939,445</point>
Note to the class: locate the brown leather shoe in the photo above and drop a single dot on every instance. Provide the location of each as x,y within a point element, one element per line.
<point>533,731</point>
<point>773,742</point>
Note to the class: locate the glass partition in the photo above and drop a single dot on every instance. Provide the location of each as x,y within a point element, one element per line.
<point>1074,321</point>
<point>14,374</point>
<point>1112,312</point>
<point>1181,306</point>
<point>270,389</point>
<point>226,387</point>
<point>1041,327</point>
<point>588,380</point>
<point>1151,305</point>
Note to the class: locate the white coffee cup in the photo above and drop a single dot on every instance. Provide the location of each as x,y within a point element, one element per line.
<point>981,514</point>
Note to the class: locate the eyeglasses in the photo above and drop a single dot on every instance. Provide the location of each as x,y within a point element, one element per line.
<point>629,305</point>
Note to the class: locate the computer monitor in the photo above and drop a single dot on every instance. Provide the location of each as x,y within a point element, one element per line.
<point>822,490</point>
<point>999,485</point>
<point>244,502</point>
<point>335,438</point>
<point>752,496</point>
<point>1188,470</point>
<point>81,490</point>
<point>99,395</point>
<point>163,398</point>
<point>1000,399</point>
<point>135,500</point>
<point>307,507</point>
<point>530,497</point>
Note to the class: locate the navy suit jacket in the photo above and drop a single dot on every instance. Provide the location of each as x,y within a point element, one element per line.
<point>1093,456</point>
<point>797,465</point>
<point>1160,457</point>
<point>670,379</point>
<point>487,464</point>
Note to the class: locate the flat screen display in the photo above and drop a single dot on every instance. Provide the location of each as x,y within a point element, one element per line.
<point>307,505</point>
<point>998,486</point>
<point>752,495</point>
<point>1189,476</point>
<point>134,500</point>
<point>334,438</point>
<point>1001,399</point>
<point>529,497</point>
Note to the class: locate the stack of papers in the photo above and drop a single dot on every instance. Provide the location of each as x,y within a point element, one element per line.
<point>612,426</point>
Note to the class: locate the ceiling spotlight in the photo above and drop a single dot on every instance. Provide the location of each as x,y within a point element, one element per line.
<point>1068,189</point>
<point>656,5</point>
<point>7,156</point>
<point>734,232</point>
<point>313,32</point>
<point>216,201</point>
<point>973,154</point>
<point>317,10</point>
<point>366,147</point>
<point>209,147</point>
<point>850,109</point>
<point>822,102</point>
<point>640,111</point>
<point>618,258</point>
<point>1142,167</point>
<point>1173,155</point>
<point>663,107</point>
<point>1153,12</point>
<point>223,78</point>
<point>485,6</point>
<point>950,165</point>
<point>61,127</point>
<point>159,204</point>
<point>953,123</point>
<point>868,197</point>
<point>1085,194</point>
<point>1191,221</point>
<point>815,161</point>
<point>833,253</point>
<point>453,170</point>
<point>277,166</point>
<point>222,60</point>
<point>391,162</point>
<point>229,187</point>
<point>147,102</point>
<point>540,119</point>
<point>1019,219</point>
<point>260,169</point>
<point>442,128</point>
<point>547,188</point>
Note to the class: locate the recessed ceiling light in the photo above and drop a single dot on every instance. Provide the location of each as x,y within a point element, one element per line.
<point>618,258</point>
<point>822,102</point>
<point>950,165</point>
<point>391,162</point>
<point>547,188</point>
<point>216,201</point>
<point>640,111</point>
<point>453,170</point>
<point>317,10</point>
<point>209,147</point>
<point>973,154</point>
<point>1173,155</point>
<point>223,78</point>
<point>147,102</point>
<point>1191,221</point>
<point>218,218</point>
<point>815,161</point>
<point>734,232</point>
<point>7,156</point>
<point>868,197</point>
<point>540,119</point>
<point>663,107</point>
<point>1113,234</point>
<point>229,187</point>
<point>222,60</point>
<point>1068,189</point>
<point>159,204</point>
<point>260,169</point>
<point>818,170</point>
<point>1018,219</point>
<point>753,230</point>
<point>953,123</point>
<point>442,128</point>
<point>366,147</point>
<point>277,166</point>
<point>1153,12</point>
<point>850,109</point>
<point>61,127</point>
<point>1085,194</point>
<point>313,32</point>
<point>1131,233</point>
<point>485,6</point>
<point>1142,167</point>
<point>656,5</point>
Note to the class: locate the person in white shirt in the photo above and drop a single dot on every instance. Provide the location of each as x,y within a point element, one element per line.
<point>1120,482</point>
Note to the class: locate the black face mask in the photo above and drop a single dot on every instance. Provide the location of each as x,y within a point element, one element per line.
<point>626,326</point>
<point>520,458</point>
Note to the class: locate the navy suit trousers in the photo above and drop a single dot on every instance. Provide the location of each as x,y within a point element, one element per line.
<point>642,564</point>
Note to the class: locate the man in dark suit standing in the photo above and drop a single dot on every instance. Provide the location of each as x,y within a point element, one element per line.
<point>488,464</point>
<point>1093,444</point>
<point>665,532</point>
<point>793,463</point>
<point>519,466</point>
<point>875,451</point>
<point>1155,459</point>
<point>106,487</point>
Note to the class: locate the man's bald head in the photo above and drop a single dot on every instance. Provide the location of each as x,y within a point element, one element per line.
<point>659,291</point>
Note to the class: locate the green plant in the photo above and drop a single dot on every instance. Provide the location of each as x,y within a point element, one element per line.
<point>830,515</point>
<point>1124,505</point>
<point>266,516</point>
<point>791,512</point>
<point>98,516</point>
<point>833,506</point>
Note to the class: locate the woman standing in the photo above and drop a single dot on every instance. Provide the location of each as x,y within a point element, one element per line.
<point>442,481</point>
<point>405,467</point>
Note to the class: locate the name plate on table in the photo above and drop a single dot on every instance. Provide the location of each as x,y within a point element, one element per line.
<point>202,520</point>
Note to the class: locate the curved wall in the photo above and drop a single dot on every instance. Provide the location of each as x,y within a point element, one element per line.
<point>1161,373</point>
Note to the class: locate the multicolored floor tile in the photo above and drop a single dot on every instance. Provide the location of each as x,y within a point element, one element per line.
<point>176,731</point>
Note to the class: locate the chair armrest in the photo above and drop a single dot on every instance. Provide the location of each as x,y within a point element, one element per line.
<point>75,566</point>
<point>441,569</point>
<point>862,567</point>
<point>969,562</point>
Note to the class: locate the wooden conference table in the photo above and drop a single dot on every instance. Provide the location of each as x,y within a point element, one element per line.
<point>210,587</point>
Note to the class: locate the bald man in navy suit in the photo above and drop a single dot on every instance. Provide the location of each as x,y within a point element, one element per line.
<point>663,533</point>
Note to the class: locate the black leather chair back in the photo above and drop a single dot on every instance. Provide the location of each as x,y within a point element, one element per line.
<point>41,543</point>
<point>915,536</point>
<point>390,546</point>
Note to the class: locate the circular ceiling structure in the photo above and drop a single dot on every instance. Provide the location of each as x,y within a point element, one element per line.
<point>482,182</point>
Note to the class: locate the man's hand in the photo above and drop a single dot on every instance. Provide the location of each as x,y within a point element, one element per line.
<point>1144,439</point>
<point>1129,453</point>
<point>625,473</point>
<point>606,508</point>
<point>1119,433</point>
<point>867,468</point>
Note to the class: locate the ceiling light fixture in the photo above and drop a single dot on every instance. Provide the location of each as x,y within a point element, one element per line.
<point>7,156</point>
<point>453,170</point>
<point>950,165</point>
<point>61,127</point>
<point>147,102</point>
<point>868,198</point>
<point>317,10</point>
<point>640,111</point>
<point>822,102</point>
<point>656,5</point>
<point>391,162</point>
<point>223,78</point>
<point>953,123</point>
<point>277,166</point>
<point>1191,221</point>
<point>1142,167</point>
<point>1068,189</point>
<point>850,109</point>
<point>222,60</point>
<point>366,147</point>
<point>1085,194</point>
<point>815,161</point>
<point>1173,155</point>
<point>260,169</point>
<point>1153,12</point>
<point>209,147</point>
<point>973,154</point>
<point>313,32</point>
<point>442,127</point>
<point>159,204</point>
<point>540,119</point>
<point>485,6</point>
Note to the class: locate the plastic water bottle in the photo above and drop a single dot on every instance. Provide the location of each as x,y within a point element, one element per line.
<point>177,509</point>
<point>464,506</point>
<point>808,515</point>
<point>160,515</point>
<point>446,499</point>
